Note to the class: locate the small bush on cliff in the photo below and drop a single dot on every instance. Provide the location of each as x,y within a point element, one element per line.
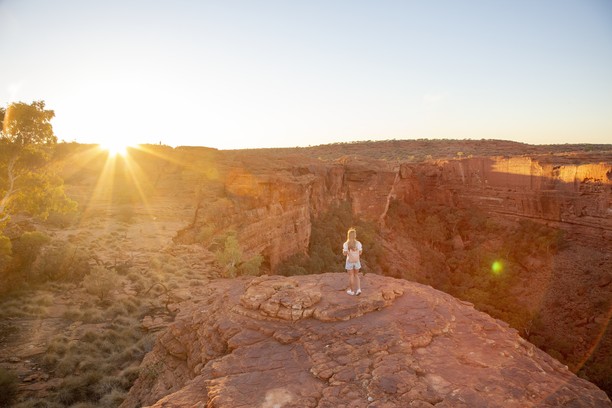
<point>251,267</point>
<point>230,259</point>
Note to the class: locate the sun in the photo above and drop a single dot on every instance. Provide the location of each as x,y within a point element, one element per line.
<point>115,147</point>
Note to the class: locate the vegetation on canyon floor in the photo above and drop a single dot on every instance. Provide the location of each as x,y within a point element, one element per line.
<point>80,314</point>
<point>94,359</point>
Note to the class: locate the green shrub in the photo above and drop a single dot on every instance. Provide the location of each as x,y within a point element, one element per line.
<point>17,257</point>
<point>91,315</point>
<point>251,267</point>
<point>89,336</point>
<point>129,375</point>
<point>59,345</point>
<point>28,245</point>
<point>50,360</point>
<point>67,364</point>
<point>61,220</point>
<point>118,309</point>
<point>100,282</point>
<point>124,321</point>
<point>107,384</point>
<point>8,387</point>
<point>61,261</point>
<point>138,281</point>
<point>130,305</point>
<point>229,257</point>
<point>293,270</point>
<point>89,364</point>
<point>82,388</point>
<point>113,399</point>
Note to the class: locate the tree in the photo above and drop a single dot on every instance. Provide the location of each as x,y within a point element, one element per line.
<point>230,256</point>
<point>24,124</point>
<point>27,183</point>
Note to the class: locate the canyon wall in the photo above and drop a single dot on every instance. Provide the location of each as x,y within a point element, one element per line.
<point>564,193</point>
<point>271,208</point>
<point>270,205</point>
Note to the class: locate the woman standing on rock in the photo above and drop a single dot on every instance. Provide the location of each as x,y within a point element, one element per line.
<point>352,249</point>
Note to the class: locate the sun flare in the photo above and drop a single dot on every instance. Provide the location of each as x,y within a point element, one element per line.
<point>115,147</point>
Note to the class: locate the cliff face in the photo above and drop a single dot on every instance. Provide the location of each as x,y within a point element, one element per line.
<point>271,204</point>
<point>577,194</point>
<point>303,342</point>
<point>271,207</point>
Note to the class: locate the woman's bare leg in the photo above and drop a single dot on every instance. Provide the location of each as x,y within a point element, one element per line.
<point>356,272</point>
<point>351,280</point>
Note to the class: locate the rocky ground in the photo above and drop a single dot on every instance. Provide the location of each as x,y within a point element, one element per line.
<point>303,342</point>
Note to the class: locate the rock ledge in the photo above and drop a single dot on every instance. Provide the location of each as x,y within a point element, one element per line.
<point>290,299</point>
<point>303,342</point>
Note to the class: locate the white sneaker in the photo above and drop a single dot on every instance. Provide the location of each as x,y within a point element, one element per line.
<point>358,292</point>
<point>350,292</point>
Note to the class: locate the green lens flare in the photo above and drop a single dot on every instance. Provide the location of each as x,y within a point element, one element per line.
<point>497,267</point>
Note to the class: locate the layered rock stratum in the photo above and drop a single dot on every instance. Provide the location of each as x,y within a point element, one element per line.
<point>275,341</point>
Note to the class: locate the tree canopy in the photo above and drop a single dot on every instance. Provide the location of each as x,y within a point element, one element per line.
<point>27,124</point>
<point>27,183</point>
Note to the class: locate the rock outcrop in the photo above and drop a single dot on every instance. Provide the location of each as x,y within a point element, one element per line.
<point>271,205</point>
<point>302,341</point>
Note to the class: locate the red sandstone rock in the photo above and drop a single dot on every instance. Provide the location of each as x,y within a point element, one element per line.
<point>270,203</point>
<point>303,342</point>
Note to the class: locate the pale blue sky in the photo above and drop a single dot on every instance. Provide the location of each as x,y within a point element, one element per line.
<point>262,73</point>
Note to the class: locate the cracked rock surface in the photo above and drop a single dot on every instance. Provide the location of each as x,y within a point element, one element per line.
<point>276,341</point>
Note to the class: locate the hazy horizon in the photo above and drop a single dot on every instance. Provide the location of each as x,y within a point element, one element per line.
<point>239,75</point>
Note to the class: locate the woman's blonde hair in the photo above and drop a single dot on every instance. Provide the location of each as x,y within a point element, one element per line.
<point>348,234</point>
